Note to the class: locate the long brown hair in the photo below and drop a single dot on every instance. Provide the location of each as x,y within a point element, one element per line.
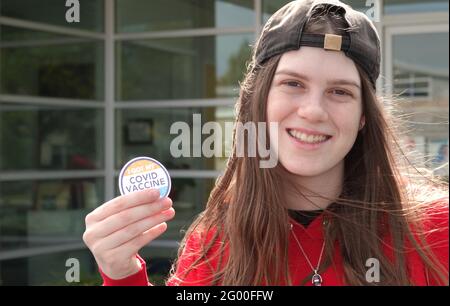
<point>248,223</point>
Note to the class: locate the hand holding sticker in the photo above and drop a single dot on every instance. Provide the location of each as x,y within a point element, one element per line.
<point>119,228</point>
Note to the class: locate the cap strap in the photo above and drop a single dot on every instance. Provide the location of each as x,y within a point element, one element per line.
<point>326,41</point>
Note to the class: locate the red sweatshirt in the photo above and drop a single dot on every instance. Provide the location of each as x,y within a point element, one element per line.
<point>311,238</point>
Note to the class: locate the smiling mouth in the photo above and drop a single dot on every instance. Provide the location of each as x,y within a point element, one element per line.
<point>308,138</point>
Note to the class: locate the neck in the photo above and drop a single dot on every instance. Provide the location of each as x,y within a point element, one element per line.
<point>317,192</point>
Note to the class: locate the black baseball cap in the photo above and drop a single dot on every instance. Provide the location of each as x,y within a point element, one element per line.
<point>284,32</point>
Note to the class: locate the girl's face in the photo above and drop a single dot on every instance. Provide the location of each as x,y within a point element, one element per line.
<point>315,97</point>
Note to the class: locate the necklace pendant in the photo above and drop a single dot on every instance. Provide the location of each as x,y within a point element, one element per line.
<point>316,279</point>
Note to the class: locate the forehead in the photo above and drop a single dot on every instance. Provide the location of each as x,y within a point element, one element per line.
<point>319,64</point>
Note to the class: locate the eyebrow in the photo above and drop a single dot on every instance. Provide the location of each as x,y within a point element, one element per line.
<point>304,77</point>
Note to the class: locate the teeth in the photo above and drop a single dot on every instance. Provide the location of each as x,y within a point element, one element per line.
<point>307,138</point>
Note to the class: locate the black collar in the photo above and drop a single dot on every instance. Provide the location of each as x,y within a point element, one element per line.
<point>305,217</point>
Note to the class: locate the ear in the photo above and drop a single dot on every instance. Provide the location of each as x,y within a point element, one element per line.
<point>362,122</point>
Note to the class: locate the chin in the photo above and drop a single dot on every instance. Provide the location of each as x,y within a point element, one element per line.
<point>308,170</point>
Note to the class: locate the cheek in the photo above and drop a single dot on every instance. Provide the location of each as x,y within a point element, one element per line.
<point>347,119</point>
<point>347,126</point>
<point>276,109</point>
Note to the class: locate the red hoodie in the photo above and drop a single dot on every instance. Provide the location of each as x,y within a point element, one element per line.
<point>300,270</point>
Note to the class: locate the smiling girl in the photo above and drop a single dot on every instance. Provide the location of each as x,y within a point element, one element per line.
<point>339,208</point>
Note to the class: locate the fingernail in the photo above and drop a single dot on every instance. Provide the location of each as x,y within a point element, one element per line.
<point>168,212</point>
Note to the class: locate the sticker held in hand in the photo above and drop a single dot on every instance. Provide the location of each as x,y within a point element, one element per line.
<point>144,173</point>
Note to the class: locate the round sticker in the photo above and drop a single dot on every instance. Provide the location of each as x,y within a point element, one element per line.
<point>144,173</point>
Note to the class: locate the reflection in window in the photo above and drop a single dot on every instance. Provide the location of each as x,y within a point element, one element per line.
<point>144,15</point>
<point>147,133</point>
<point>46,212</point>
<point>182,68</point>
<point>421,80</point>
<point>36,63</point>
<point>33,137</point>
<point>421,66</point>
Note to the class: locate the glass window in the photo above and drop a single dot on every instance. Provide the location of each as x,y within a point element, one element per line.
<point>46,212</point>
<point>39,137</point>
<point>271,6</point>
<point>182,68</point>
<point>420,70</point>
<point>146,132</point>
<point>54,12</point>
<point>36,63</point>
<point>155,15</point>
<point>414,6</point>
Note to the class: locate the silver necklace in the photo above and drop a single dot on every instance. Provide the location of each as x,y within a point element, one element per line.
<point>316,278</point>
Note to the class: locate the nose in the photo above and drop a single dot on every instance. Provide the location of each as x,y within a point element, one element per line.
<point>311,108</point>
